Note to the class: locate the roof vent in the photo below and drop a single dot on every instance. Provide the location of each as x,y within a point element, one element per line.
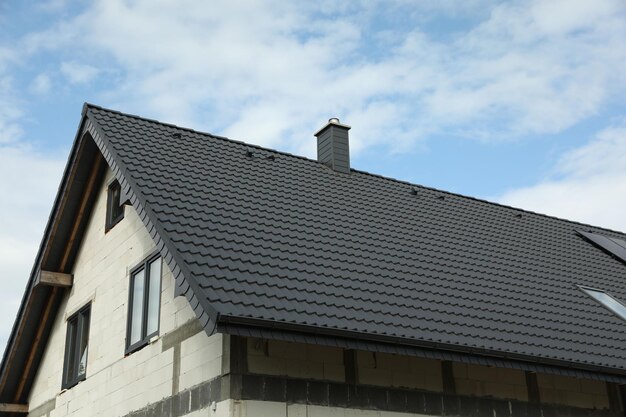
<point>332,146</point>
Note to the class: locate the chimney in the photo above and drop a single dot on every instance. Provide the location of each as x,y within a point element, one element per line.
<point>332,146</point>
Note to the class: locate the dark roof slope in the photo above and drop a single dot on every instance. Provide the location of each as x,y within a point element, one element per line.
<point>286,242</point>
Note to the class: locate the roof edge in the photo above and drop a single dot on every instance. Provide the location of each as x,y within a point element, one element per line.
<point>451,352</point>
<point>53,217</point>
<point>185,283</point>
<point>409,184</point>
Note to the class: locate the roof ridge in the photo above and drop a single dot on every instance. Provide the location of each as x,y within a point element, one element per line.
<point>482,200</point>
<point>384,177</point>
<point>224,138</point>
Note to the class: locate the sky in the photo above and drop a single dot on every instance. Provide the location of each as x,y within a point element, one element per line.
<point>519,102</point>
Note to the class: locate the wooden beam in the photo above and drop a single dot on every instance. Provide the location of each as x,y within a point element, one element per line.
<point>447,374</point>
<point>350,366</point>
<point>82,209</point>
<point>13,408</point>
<point>51,232</point>
<point>55,279</point>
<point>20,331</point>
<point>613,393</point>
<point>532,386</point>
<point>33,349</point>
<point>64,198</point>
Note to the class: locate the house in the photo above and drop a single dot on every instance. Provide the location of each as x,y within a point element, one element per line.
<point>185,274</point>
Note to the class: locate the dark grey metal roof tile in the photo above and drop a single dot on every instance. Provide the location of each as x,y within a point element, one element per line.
<point>290,242</point>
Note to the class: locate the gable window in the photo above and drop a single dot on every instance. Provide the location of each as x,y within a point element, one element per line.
<point>607,301</point>
<point>115,211</point>
<point>76,347</point>
<point>144,303</point>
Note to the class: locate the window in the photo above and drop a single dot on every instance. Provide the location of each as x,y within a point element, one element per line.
<point>76,347</point>
<point>613,245</point>
<point>115,211</point>
<point>144,303</point>
<point>607,301</point>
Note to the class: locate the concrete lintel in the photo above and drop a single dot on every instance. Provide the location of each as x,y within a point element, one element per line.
<point>180,334</point>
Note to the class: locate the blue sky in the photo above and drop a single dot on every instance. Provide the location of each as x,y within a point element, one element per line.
<point>519,102</point>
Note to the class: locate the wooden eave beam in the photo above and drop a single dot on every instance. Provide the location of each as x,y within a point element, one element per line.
<point>13,408</point>
<point>52,229</point>
<point>55,279</point>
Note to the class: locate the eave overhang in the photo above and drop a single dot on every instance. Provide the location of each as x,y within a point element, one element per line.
<point>55,257</point>
<point>247,327</point>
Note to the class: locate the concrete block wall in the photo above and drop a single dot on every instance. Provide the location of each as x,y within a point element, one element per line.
<point>201,359</point>
<point>270,357</point>
<point>400,371</point>
<point>296,360</point>
<point>250,408</point>
<point>556,389</point>
<point>388,370</point>
<point>275,409</point>
<point>486,381</point>
<point>117,384</point>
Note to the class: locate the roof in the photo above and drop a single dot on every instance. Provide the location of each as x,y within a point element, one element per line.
<point>288,240</point>
<point>268,243</point>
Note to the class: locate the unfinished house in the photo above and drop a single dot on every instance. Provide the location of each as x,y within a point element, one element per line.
<point>186,274</point>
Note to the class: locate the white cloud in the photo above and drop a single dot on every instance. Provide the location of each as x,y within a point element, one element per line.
<point>28,181</point>
<point>78,73</point>
<point>272,71</point>
<point>24,208</point>
<point>534,67</point>
<point>51,6</point>
<point>41,84</point>
<point>10,130</point>
<point>9,108</point>
<point>589,184</point>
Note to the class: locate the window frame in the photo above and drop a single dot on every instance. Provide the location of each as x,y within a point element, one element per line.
<point>79,317</point>
<point>144,340</point>
<point>589,290</point>
<point>110,221</point>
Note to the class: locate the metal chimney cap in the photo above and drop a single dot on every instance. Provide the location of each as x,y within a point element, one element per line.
<point>333,121</point>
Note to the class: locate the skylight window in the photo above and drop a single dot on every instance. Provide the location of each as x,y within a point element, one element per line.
<point>607,301</point>
<point>613,245</point>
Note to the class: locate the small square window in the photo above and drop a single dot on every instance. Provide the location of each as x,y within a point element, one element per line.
<point>115,211</point>
<point>76,347</point>
<point>144,303</point>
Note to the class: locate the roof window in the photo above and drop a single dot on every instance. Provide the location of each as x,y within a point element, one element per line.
<point>613,245</point>
<point>607,301</point>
